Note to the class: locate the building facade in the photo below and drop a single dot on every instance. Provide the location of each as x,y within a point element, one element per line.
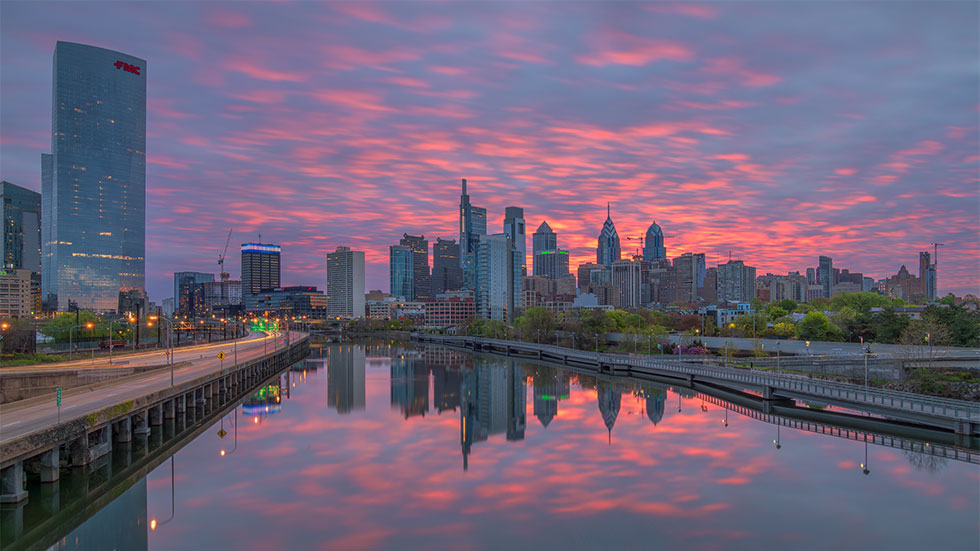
<point>689,271</point>
<point>514,228</point>
<point>608,249</point>
<point>653,246</point>
<point>447,275</point>
<point>293,302</point>
<point>498,290</point>
<point>345,283</point>
<point>449,311</point>
<point>628,276</point>
<point>825,275</point>
<point>186,294</point>
<point>544,239</point>
<point>472,225</point>
<point>16,296</point>
<point>420,265</point>
<point>552,264</point>
<point>93,183</point>
<point>736,282</point>
<point>400,271</point>
<point>21,228</point>
<point>260,267</point>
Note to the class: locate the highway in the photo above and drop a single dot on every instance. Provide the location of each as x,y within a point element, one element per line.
<point>17,419</point>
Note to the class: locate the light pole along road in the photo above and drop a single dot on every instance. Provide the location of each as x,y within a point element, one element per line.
<point>26,416</point>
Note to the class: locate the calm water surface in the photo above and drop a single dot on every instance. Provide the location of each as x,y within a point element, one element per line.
<point>371,446</point>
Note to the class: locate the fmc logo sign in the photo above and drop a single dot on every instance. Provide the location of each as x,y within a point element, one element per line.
<point>127,67</point>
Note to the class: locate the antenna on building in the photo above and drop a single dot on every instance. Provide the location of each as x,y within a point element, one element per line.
<point>935,253</point>
<point>260,239</point>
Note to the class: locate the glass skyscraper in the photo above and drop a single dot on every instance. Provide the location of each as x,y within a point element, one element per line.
<point>472,224</point>
<point>260,267</point>
<point>654,248</point>
<point>93,183</point>
<point>608,250</point>
<point>400,265</point>
<point>21,227</point>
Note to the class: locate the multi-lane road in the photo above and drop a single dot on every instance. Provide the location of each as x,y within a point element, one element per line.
<point>20,418</point>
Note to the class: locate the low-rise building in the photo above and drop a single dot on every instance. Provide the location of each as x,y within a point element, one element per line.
<point>449,311</point>
<point>16,297</point>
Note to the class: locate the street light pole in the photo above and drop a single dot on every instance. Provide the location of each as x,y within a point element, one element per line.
<point>88,325</point>
<point>777,357</point>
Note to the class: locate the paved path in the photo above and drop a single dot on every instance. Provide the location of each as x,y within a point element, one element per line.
<point>16,421</point>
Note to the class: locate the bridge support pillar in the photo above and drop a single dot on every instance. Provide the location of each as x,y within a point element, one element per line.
<point>168,408</point>
<point>124,430</point>
<point>12,484</point>
<point>51,465</point>
<point>141,426</point>
<point>155,415</point>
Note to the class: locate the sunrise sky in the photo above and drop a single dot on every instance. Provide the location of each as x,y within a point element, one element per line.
<point>776,131</point>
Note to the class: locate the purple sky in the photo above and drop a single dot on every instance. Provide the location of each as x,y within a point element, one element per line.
<point>776,131</point>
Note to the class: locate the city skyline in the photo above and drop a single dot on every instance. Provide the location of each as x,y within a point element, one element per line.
<point>855,144</point>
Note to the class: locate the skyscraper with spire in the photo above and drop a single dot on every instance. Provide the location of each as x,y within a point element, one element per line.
<point>653,246</point>
<point>472,224</point>
<point>608,250</point>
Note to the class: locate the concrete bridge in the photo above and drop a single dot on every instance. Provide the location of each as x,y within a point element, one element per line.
<point>86,430</point>
<point>956,416</point>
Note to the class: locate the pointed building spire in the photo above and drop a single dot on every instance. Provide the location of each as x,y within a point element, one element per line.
<point>608,215</point>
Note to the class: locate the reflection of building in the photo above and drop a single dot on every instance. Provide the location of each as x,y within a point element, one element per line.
<point>656,401</point>
<point>121,524</point>
<point>516,402</point>
<point>609,401</point>
<point>550,386</point>
<point>265,401</point>
<point>345,378</point>
<point>410,387</point>
<point>484,408</point>
<point>446,386</point>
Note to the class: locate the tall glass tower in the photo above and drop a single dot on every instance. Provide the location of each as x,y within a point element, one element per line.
<point>472,224</point>
<point>93,183</point>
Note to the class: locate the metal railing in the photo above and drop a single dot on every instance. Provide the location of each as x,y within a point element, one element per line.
<point>960,410</point>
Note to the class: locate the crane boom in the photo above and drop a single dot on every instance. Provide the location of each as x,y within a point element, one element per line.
<point>221,258</point>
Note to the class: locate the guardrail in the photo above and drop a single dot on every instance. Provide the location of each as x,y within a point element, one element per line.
<point>950,409</point>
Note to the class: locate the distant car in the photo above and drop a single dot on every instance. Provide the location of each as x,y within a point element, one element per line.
<point>105,345</point>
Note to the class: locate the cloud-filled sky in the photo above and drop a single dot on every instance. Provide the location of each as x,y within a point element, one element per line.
<point>774,131</point>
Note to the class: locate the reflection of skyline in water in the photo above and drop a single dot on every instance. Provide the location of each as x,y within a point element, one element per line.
<point>315,476</point>
<point>345,378</point>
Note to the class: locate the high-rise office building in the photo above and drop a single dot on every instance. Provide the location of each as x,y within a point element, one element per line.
<point>447,275</point>
<point>608,250</point>
<point>927,276</point>
<point>514,228</point>
<point>400,271</point>
<point>21,227</point>
<point>552,264</point>
<point>544,239</point>
<point>653,246</point>
<point>498,288</point>
<point>736,282</point>
<point>472,225</point>
<point>260,267</point>
<point>585,275</point>
<point>93,184</point>
<point>420,265</point>
<point>345,283</point>
<point>825,275</point>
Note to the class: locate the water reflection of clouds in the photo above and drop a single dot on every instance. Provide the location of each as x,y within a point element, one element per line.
<point>372,477</point>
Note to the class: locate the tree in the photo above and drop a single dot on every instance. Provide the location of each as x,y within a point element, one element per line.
<point>537,319</point>
<point>861,302</point>
<point>921,336</point>
<point>786,304</point>
<point>888,325</point>
<point>816,327</point>
<point>784,329</point>
<point>962,324</point>
<point>775,312</point>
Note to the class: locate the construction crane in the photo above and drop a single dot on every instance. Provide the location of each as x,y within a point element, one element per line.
<point>225,276</point>
<point>640,238</point>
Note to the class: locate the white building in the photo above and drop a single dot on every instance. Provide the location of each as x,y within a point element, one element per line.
<point>345,283</point>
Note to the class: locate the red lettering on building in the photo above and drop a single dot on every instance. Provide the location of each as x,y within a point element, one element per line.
<point>135,69</point>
